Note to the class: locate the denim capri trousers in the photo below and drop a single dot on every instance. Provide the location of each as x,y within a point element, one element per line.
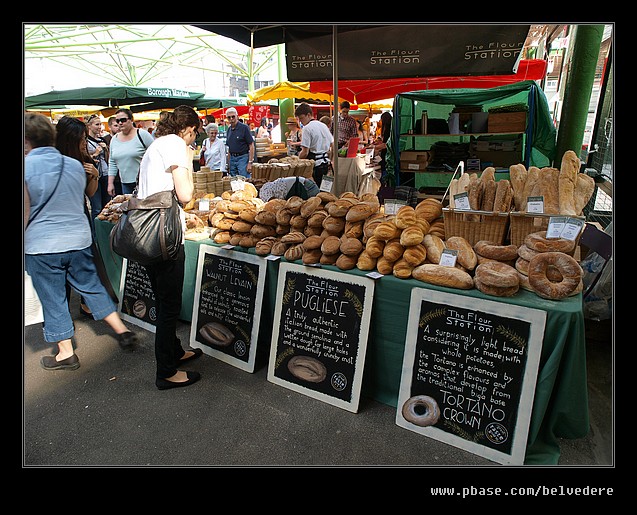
<point>50,273</point>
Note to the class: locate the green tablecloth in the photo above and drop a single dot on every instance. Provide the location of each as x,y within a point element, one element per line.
<point>560,406</point>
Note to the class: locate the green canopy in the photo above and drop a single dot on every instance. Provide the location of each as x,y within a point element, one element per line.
<point>116,96</point>
<point>540,133</point>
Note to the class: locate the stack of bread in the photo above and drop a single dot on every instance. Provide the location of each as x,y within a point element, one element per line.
<point>545,267</point>
<point>111,211</point>
<point>484,192</point>
<point>565,191</point>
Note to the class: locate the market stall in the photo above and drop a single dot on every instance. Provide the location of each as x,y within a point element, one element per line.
<point>560,405</point>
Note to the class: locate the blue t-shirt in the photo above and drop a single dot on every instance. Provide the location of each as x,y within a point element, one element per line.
<point>239,139</point>
<point>62,224</point>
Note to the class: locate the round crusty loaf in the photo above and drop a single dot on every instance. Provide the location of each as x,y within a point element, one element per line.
<point>539,242</point>
<point>492,250</point>
<point>441,275</point>
<point>497,274</point>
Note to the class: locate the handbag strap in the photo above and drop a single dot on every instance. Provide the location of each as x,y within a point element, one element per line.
<point>35,213</point>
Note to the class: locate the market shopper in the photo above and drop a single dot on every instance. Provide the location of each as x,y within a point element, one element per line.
<point>98,150</point>
<point>167,165</point>
<point>240,145</point>
<point>293,136</point>
<point>316,142</point>
<point>347,126</point>
<point>57,243</point>
<point>380,144</point>
<point>213,149</point>
<point>126,151</point>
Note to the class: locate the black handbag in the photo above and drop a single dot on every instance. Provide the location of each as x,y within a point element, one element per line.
<point>149,230</point>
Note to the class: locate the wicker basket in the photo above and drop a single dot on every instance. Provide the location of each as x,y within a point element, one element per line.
<point>474,226</point>
<point>523,224</point>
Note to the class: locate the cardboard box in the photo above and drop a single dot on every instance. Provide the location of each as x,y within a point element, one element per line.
<point>413,166</point>
<point>414,155</point>
<point>507,122</point>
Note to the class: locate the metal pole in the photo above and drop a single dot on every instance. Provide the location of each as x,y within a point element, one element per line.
<point>335,80</point>
<point>577,95</point>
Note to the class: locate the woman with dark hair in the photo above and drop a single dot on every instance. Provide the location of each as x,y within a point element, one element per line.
<point>381,143</point>
<point>167,166</point>
<point>57,237</point>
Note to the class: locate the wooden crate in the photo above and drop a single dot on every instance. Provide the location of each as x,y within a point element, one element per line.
<point>522,224</point>
<point>507,122</point>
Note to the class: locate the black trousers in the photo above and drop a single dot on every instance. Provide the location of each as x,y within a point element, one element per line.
<point>167,281</point>
<point>318,173</point>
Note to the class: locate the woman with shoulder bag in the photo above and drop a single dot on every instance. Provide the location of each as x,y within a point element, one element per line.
<point>57,241</point>
<point>167,166</point>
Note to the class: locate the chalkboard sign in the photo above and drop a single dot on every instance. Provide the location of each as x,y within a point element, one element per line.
<point>469,373</point>
<point>137,302</point>
<point>319,339</point>
<point>227,305</point>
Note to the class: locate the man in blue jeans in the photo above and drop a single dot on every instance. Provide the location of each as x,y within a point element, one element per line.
<point>240,145</point>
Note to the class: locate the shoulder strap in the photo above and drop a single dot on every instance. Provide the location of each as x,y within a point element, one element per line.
<point>140,139</point>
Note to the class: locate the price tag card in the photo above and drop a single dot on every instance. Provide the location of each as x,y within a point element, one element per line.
<point>326,184</point>
<point>228,247</point>
<point>272,257</point>
<point>461,201</point>
<point>535,205</point>
<point>204,204</point>
<point>572,228</point>
<point>393,205</point>
<point>374,275</point>
<point>237,185</point>
<point>556,224</point>
<point>448,257</point>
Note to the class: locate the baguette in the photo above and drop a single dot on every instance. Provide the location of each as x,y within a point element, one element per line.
<point>549,189</point>
<point>569,168</point>
<point>518,174</point>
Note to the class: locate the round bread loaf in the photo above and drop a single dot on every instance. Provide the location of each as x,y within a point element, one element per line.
<point>351,246</point>
<point>405,217</point>
<point>359,212</point>
<point>492,250</point>
<point>539,242</point>
<point>411,235</point>
<point>331,245</point>
<point>526,253</point>
<point>569,269</point>
<point>313,242</point>
<point>309,206</point>
<point>497,291</point>
<point>311,257</point>
<point>345,262</point>
<point>365,261</point>
<point>495,273</point>
<point>402,269</point>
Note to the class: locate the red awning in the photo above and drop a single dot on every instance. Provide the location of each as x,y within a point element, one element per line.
<point>363,91</point>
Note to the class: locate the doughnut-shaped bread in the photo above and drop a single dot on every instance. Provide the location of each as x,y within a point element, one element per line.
<point>526,253</point>
<point>492,250</point>
<point>567,266</point>
<point>522,265</point>
<point>497,291</point>
<point>421,410</point>
<point>498,274</point>
<point>539,242</point>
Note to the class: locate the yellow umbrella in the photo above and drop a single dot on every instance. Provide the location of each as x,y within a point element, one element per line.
<point>287,89</point>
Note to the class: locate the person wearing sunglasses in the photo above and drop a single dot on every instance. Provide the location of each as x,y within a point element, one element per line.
<point>98,150</point>
<point>127,148</point>
<point>240,145</point>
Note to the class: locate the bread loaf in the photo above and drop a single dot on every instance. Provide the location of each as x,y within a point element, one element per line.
<point>434,247</point>
<point>466,255</point>
<point>549,189</point>
<point>412,235</point>
<point>503,197</point>
<point>405,217</point>
<point>518,174</point>
<point>584,189</point>
<point>531,185</point>
<point>490,187</point>
<point>569,168</point>
<point>440,275</point>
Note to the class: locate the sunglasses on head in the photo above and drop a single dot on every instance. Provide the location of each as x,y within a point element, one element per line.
<point>121,120</point>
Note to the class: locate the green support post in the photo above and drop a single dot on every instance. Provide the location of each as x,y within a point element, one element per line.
<point>577,94</point>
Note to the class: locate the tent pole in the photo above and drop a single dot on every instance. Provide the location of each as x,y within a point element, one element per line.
<point>335,118</point>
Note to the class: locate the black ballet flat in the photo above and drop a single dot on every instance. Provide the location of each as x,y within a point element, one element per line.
<point>50,363</point>
<point>197,354</point>
<point>164,384</point>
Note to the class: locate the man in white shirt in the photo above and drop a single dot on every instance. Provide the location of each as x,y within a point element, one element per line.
<point>317,142</point>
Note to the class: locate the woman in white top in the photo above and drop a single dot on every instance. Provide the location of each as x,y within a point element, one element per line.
<point>214,149</point>
<point>167,165</point>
